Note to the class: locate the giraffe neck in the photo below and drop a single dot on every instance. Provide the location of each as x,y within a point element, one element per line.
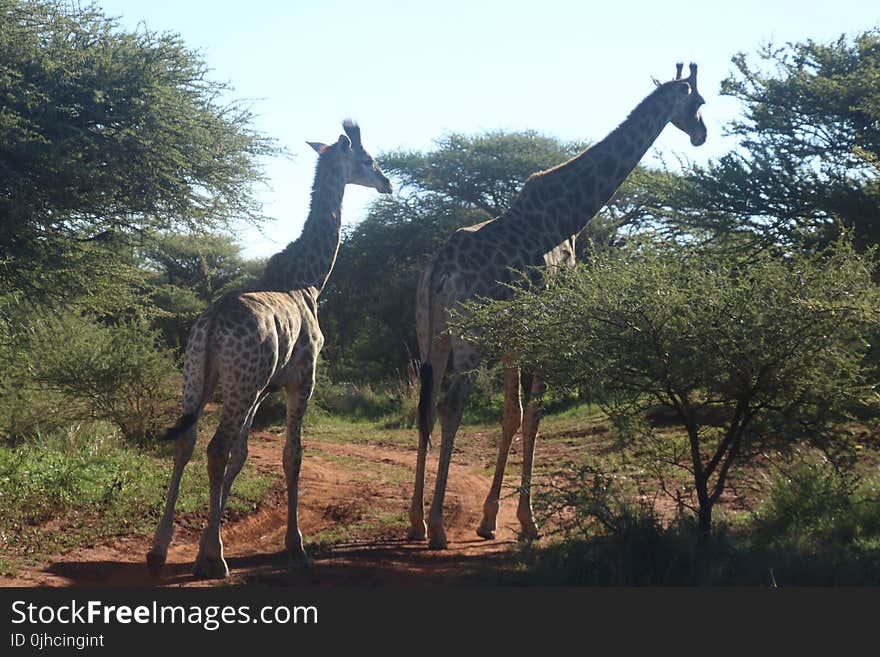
<point>308,260</point>
<point>577,189</point>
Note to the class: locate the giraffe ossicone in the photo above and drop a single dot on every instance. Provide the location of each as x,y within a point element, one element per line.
<point>252,343</point>
<point>538,229</point>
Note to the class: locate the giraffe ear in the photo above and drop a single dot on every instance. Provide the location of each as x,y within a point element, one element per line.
<point>344,143</point>
<point>318,146</point>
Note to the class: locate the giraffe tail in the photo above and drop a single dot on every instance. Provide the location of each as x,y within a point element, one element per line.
<point>426,393</point>
<point>203,370</point>
<point>183,424</point>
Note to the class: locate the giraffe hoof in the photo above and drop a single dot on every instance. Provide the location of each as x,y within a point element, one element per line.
<point>485,532</point>
<point>211,569</point>
<point>155,563</point>
<point>437,539</point>
<point>417,534</point>
<point>530,531</point>
<point>298,561</point>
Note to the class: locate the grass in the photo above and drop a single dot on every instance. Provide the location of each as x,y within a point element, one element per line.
<point>370,527</point>
<point>363,470</point>
<point>74,489</point>
<point>389,405</point>
<point>338,430</point>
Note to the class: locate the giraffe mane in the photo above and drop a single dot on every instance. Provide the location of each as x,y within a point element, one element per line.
<point>353,130</point>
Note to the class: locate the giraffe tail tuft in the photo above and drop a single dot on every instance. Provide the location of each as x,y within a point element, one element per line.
<point>185,422</point>
<point>426,380</point>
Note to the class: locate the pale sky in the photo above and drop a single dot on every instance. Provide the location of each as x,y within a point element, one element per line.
<point>410,72</point>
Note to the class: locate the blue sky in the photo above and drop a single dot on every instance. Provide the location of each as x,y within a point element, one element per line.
<point>410,72</point>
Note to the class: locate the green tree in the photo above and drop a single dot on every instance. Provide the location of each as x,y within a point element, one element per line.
<point>368,308</point>
<point>741,356</point>
<point>206,264</point>
<point>104,136</point>
<point>108,138</point>
<point>483,172</point>
<point>186,272</point>
<point>809,150</point>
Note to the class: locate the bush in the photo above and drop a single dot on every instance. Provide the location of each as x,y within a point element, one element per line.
<point>610,540</point>
<point>812,503</point>
<point>819,526</point>
<point>99,371</point>
<point>743,354</point>
<point>394,404</point>
<point>76,487</point>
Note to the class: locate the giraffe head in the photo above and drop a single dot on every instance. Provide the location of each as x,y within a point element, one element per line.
<point>358,166</point>
<point>686,102</point>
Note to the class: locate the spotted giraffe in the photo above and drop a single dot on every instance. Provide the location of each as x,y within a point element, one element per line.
<point>253,343</point>
<point>538,229</point>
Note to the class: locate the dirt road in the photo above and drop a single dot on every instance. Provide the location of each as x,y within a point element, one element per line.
<point>356,494</point>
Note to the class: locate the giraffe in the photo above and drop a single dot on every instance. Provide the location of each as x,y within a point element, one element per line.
<point>253,343</point>
<point>539,228</point>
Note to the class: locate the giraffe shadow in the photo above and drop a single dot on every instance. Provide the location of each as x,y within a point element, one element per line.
<point>393,563</point>
<point>368,563</point>
<point>118,573</point>
<point>135,574</point>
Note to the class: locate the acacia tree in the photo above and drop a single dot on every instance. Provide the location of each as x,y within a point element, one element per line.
<point>809,148</point>
<point>741,356</point>
<point>105,135</point>
<point>108,138</point>
<point>483,171</point>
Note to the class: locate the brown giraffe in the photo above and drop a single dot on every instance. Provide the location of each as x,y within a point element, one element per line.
<point>255,342</point>
<point>538,229</point>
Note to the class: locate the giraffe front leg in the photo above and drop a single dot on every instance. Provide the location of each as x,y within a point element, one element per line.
<point>531,419</point>
<point>509,426</point>
<point>297,399</point>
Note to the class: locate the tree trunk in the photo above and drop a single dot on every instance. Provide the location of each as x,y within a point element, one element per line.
<point>704,515</point>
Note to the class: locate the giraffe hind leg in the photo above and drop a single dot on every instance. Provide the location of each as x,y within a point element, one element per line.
<point>450,418</point>
<point>465,359</point>
<point>298,395</point>
<point>200,379</point>
<point>210,563</point>
<point>239,452</point>
<point>183,450</point>
<point>439,358</point>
